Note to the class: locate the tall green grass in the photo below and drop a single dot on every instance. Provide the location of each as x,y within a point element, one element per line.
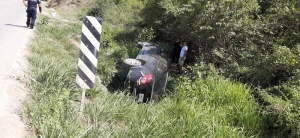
<point>211,107</point>
<point>197,106</point>
<point>50,106</point>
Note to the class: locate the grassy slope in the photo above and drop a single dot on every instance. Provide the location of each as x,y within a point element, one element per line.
<point>197,107</point>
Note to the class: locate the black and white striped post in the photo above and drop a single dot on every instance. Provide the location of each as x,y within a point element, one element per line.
<point>88,56</point>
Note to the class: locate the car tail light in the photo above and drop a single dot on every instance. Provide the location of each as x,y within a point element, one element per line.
<point>145,79</point>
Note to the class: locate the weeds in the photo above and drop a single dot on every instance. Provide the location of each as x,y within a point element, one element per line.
<point>205,106</point>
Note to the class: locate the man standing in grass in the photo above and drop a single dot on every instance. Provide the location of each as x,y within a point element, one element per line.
<point>176,51</point>
<point>183,52</point>
<point>31,11</point>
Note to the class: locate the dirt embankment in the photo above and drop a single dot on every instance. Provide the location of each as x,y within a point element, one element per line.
<point>54,3</point>
<point>61,3</point>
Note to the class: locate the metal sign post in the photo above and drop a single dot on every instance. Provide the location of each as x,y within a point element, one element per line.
<point>82,101</point>
<point>88,56</point>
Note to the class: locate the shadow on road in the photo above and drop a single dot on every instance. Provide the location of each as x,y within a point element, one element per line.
<point>16,25</point>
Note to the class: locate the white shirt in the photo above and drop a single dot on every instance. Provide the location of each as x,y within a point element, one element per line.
<point>183,49</point>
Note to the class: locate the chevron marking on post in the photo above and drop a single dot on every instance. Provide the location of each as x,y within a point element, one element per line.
<point>89,51</point>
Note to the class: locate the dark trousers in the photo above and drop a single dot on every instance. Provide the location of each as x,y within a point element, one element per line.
<point>175,56</point>
<point>31,16</point>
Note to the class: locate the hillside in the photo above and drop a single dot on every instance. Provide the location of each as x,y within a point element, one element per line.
<point>239,81</point>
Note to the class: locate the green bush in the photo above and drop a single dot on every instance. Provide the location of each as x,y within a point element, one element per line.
<point>280,114</point>
<point>275,68</point>
<point>145,35</point>
<point>279,120</point>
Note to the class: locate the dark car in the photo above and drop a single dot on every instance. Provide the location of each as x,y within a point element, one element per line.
<point>148,73</point>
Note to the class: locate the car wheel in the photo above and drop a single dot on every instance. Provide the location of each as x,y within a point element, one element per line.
<point>130,62</point>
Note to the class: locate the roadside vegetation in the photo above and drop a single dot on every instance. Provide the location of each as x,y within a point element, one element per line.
<point>241,78</point>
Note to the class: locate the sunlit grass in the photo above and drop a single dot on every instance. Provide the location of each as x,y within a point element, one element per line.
<point>191,112</point>
<point>200,107</point>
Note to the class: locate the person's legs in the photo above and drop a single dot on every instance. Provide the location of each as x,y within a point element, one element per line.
<point>180,69</point>
<point>28,17</point>
<point>177,58</point>
<point>33,17</point>
<point>174,57</point>
<point>180,64</point>
<point>177,55</point>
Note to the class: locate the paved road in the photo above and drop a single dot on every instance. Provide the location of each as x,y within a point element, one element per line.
<point>13,34</point>
<point>13,39</point>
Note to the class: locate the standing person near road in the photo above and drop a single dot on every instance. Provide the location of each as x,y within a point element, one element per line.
<point>182,58</point>
<point>176,51</point>
<point>31,11</point>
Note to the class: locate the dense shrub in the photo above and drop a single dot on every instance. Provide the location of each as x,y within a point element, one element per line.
<point>254,41</point>
<point>281,112</point>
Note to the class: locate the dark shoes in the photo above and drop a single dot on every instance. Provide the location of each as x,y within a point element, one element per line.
<point>29,26</point>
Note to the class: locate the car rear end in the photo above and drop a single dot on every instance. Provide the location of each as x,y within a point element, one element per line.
<point>140,79</point>
<point>140,84</point>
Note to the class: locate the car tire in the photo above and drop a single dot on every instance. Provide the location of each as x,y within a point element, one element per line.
<point>130,62</point>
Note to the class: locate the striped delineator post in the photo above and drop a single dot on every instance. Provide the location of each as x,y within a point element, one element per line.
<point>88,56</point>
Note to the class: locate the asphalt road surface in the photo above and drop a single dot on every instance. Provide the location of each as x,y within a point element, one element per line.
<point>14,37</point>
